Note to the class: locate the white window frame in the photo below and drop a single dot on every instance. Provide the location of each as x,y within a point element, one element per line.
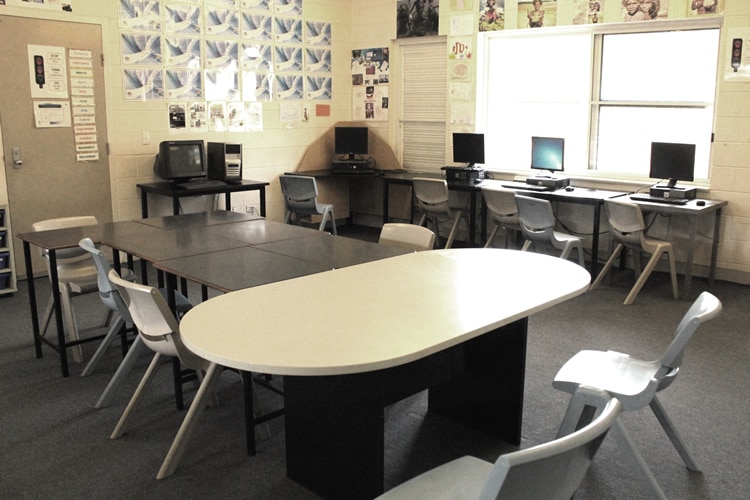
<point>586,152</point>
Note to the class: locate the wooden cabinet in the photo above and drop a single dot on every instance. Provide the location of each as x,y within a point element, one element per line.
<point>7,264</point>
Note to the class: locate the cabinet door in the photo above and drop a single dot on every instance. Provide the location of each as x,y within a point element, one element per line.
<point>50,182</point>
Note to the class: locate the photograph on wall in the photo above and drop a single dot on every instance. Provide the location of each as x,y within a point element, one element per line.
<point>140,15</point>
<point>143,84</point>
<point>644,10</point>
<point>705,7</point>
<point>182,19</point>
<point>371,66</point>
<point>491,15</point>
<point>257,27</point>
<point>141,49</point>
<point>182,52</point>
<point>596,11</point>
<point>537,13</point>
<point>222,22</point>
<point>417,18</point>
<point>177,116</point>
<point>183,83</point>
<point>317,33</point>
<point>198,117</point>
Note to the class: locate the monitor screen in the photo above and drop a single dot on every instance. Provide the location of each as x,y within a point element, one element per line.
<point>180,160</point>
<point>468,148</point>
<point>548,153</point>
<point>672,161</point>
<point>350,141</point>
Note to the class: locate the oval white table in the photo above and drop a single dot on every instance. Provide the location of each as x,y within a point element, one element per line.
<point>352,341</point>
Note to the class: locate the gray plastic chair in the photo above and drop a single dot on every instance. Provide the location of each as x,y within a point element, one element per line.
<point>76,274</point>
<point>538,226</point>
<point>408,236</point>
<point>502,211</point>
<point>433,199</point>
<point>635,383</point>
<point>629,232</point>
<point>549,471</point>
<point>301,199</point>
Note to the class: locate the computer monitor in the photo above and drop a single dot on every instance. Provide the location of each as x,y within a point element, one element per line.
<point>350,141</point>
<point>180,161</point>
<point>672,161</point>
<point>468,148</point>
<point>548,153</point>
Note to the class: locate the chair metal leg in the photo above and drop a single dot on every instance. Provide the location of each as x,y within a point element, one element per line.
<point>126,365</point>
<point>117,325</point>
<point>191,419</point>
<point>674,436</point>
<point>145,381</point>
<point>636,460</point>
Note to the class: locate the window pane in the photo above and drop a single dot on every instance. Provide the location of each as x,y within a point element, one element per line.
<point>625,136</point>
<point>666,66</point>
<point>537,86</point>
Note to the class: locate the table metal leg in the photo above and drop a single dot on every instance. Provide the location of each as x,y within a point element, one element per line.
<point>594,266</point>
<point>714,247</point>
<point>32,299</point>
<point>693,225</point>
<point>55,282</point>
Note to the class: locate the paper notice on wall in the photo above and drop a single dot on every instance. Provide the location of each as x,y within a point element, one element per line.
<point>49,114</point>
<point>84,104</point>
<point>48,76</point>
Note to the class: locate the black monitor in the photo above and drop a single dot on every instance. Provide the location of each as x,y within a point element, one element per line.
<point>468,148</point>
<point>180,161</point>
<point>672,161</point>
<point>548,153</point>
<point>350,141</point>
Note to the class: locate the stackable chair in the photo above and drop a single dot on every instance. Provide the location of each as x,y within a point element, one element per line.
<point>538,226</point>
<point>76,274</point>
<point>502,211</point>
<point>432,199</point>
<point>629,232</point>
<point>159,330</point>
<point>301,200</point>
<point>408,236</point>
<point>549,471</point>
<point>635,383</point>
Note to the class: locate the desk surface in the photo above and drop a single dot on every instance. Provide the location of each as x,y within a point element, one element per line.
<point>172,189</point>
<point>377,315</point>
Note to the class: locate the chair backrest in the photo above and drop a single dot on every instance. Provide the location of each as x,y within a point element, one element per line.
<point>300,194</point>
<point>536,217</point>
<point>704,308</point>
<point>626,220</point>
<point>431,194</point>
<point>552,470</point>
<point>501,203</point>
<point>107,291</point>
<point>156,323</point>
<point>66,255</point>
<point>409,236</point>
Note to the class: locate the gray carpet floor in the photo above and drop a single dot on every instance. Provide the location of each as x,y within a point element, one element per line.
<point>54,444</point>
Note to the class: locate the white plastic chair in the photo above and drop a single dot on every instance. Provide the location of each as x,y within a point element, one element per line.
<point>502,211</point>
<point>408,236</point>
<point>301,199</point>
<point>538,226</point>
<point>549,471</point>
<point>635,383</point>
<point>629,231</point>
<point>433,199</point>
<point>76,274</point>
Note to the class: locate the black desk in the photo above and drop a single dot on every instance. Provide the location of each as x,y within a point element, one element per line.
<point>175,192</point>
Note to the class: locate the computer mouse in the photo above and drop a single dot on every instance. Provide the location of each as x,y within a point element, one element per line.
<point>700,203</point>
<point>569,188</point>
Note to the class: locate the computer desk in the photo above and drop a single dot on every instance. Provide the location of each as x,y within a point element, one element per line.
<point>349,343</point>
<point>171,190</point>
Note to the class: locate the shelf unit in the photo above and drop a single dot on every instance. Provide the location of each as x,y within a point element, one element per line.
<point>7,263</point>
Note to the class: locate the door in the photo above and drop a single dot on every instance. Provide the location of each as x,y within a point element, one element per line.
<point>50,181</point>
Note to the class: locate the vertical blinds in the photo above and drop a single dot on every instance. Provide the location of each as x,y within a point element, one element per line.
<point>423,121</point>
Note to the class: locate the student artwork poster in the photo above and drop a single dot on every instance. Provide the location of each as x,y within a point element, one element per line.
<point>491,15</point>
<point>537,13</point>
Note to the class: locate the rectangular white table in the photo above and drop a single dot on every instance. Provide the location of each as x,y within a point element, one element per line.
<point>351,341</point>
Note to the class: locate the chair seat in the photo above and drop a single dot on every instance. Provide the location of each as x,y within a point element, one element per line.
<point>459,479</point>
<point>619,374</point>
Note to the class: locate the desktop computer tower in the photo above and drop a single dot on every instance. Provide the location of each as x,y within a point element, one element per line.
<point>224,161</point>
<point>681,193</point>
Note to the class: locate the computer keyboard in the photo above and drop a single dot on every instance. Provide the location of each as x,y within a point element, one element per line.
<point>657,199</point>
<point>527,187</point>
<point>202,184</point>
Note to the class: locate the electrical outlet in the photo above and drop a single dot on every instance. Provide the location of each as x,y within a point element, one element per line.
<point>145,138</point>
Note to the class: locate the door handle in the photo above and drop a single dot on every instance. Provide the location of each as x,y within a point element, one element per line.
<point>17,161</point>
